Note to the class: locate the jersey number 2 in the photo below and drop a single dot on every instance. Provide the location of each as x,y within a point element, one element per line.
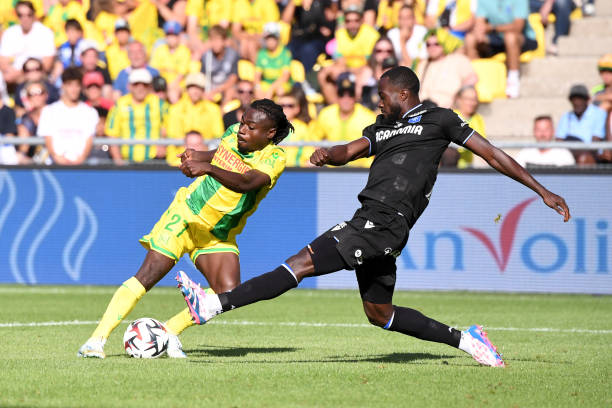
<point>175,220</point>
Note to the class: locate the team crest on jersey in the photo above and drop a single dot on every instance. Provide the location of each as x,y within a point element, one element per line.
<point>416,119</point>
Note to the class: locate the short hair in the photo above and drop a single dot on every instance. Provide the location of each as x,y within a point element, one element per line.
<point>275,113</point>
<point>403,77</point>
<point>39,62</point>
<point>72,74</point>
<point>217,30</point>
<point>245,81</point>
<point>26,3</point>
<point>407,7</point>
<point>193,132</point>
<point>543,117</point>
<point>73,23</point>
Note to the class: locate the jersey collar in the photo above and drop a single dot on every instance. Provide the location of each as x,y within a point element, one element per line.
<point>407,113</point>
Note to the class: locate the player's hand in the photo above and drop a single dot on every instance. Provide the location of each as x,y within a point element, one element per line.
<point>320,157</point>
<point>186,155</point>
<point>558,204</point>
<point>192,168</point>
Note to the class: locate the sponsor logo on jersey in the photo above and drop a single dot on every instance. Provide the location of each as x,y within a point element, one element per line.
<point>228,160</point>
<point>369,224</point>
<point>410,129</point>
<point>339,226</point>
<point>415,119</point>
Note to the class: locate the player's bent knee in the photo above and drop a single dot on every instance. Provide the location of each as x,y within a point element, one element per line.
<point>154,267</point>
<point>225,285</point>
<point>378,314</point>
<point>301,264</point>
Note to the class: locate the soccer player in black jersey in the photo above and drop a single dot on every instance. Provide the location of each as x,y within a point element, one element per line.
<point>407,141</point>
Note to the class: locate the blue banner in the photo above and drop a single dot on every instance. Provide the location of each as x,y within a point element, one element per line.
<point>481,231</point>
<point>83,226</point>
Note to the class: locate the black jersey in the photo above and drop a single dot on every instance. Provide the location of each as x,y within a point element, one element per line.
<point>407,153</point>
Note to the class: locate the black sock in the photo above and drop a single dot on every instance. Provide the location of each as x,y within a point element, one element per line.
<point>266,286</point>
<point>416,324</point>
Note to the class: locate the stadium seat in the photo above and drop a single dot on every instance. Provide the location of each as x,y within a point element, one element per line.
<point>575,15</point>
<point>246,70</point>
<point>491,79</point>
<point>298,73</point>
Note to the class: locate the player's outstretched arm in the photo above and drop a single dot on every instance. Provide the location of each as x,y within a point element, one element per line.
<point>241,183</point>
<point>190,154</point>
<point>505,164</point>
<point>341,154</point>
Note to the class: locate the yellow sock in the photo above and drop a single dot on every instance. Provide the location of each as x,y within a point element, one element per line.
<point>179,322</point>
<point>122,303</point>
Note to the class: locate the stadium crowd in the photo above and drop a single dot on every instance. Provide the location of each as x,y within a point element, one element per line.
<point>71,70</point>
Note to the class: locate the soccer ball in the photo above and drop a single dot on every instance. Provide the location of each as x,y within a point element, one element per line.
<point>145,338</point>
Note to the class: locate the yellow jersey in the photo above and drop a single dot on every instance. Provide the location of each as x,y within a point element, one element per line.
<point>226,211</point>
<point>254,14</point>
<point>356,50</point>
<point>131,120</point>
<point>299,156</point>
<point>8,16</point>
<point>476,122</point>
<point>58,15</point>
<point>388,13</point>
<point>329,126</point>
<point>184,116</point>
<point>209,13</point>
<point>171,64</point>
<point>117,59</point>
<point>142,21</point>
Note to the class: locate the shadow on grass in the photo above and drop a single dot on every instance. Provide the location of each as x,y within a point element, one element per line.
<point>391,358</point>
<point>218,351</point>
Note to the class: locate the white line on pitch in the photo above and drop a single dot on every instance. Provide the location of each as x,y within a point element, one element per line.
<point>300,324</point>
<point>306,292</point>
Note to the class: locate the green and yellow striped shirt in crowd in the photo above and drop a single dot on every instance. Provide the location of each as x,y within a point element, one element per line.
<point>131,120</point>
<point>226,211</point>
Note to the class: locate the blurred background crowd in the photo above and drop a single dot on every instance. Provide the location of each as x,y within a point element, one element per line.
<point>72,70</point>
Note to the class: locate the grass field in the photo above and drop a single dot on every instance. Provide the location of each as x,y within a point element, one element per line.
<point>308,348</point>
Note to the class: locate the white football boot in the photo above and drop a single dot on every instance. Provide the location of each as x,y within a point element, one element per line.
<point>475,341</point>
<point>93,348</point>
<point>175,348</point>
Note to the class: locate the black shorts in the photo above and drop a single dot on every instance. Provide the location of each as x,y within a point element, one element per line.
<point>497,45</point>
<point>369,244</point>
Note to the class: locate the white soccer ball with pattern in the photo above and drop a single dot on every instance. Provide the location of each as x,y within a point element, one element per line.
<point>145,338</point>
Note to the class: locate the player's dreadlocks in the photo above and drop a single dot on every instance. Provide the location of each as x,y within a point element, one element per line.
<point>275,113</point>
<point>403,77</point>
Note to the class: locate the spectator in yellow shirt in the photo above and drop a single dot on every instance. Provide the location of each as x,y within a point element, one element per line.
<point>172,59</point>
<point>248,19</point>
<point>354,44</point>
<point>116,53</point>
<point>295,108</point>
<point>139,114</point>
<point>203,15</point>
<point>344,121</point>
<point>466,105</point>
<point>193,112</point>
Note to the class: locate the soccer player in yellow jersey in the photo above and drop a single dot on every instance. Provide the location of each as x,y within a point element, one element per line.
<point>204,218</point>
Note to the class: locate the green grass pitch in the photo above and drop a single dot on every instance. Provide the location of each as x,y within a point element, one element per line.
<point>308,349</point>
